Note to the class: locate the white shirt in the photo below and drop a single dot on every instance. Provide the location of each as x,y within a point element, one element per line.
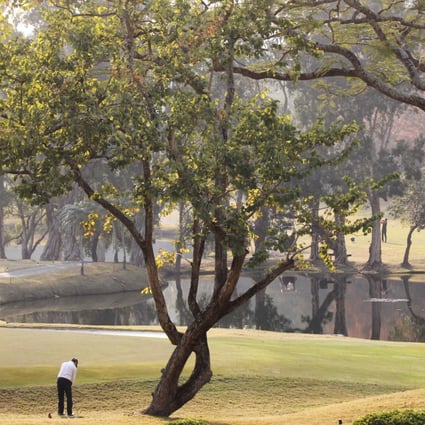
<point>68,370</point>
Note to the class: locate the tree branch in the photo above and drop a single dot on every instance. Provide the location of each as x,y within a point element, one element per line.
<point>260,285</point>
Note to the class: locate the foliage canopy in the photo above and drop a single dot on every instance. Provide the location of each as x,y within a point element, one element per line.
<point>154,87</point>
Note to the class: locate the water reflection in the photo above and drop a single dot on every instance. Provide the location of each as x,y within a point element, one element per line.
<point>357,306</point>
<point>112,309</point>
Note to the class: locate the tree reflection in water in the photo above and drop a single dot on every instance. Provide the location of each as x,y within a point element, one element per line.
<point>409,328</point>
<point>366,306</point>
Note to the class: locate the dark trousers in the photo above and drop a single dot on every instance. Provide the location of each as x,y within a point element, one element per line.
<point>64,387</point>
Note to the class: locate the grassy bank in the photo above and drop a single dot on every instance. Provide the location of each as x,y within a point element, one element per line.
<point>259,377</point>
<point>43,280</point>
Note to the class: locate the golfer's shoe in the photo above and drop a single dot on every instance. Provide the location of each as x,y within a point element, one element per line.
<point>71,415</point>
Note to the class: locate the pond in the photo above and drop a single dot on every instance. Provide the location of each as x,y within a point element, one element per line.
<point>355,306</point>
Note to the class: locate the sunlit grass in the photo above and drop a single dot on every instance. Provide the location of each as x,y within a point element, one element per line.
<point>259,377</point>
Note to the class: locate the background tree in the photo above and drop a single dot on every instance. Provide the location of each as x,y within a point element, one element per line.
<point>19,221</point>
<point>82,221</point>
<point>378,43</point>
<point>31,229</point>
<point>379,159</point>
<point>410,208</point>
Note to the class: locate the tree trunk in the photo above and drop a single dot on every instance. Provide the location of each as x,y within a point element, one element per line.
<point>93,246</point>
<point>315,296</point>
<point>2,247</point>
<point>375,254</point>
<point>136,255</point>
<point>260,316</point>
<point>3,201</point>
<point>31,220</point>
<point>405,262</point>
<point>101,250</point>
<point>58,238</point>
<point>169,396</point>
<point>315,235</point>
<point>71,248</point>
<point>340,247</point>
<point>53,246</point>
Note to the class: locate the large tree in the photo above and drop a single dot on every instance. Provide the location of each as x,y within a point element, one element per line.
<point>132,83</point>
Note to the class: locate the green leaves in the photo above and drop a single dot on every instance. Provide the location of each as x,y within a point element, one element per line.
<point>132,90</point>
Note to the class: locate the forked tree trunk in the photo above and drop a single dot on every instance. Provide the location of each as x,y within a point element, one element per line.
<point>169,395</point>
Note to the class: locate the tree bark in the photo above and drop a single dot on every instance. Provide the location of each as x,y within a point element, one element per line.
<point>374,261</point>
<point>169,396</point>
<point>315,235</point>
<point>31,220</point>
<point>93,246</point>
<point>61,239</point>
<point>340,247</point>
<point>52,249</point>
<point>405,262</point>
<point>71,248</point>
<point>136,255</point>
<point>2,198</point>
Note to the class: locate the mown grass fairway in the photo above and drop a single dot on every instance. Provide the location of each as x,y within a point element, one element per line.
<point>259,377</point>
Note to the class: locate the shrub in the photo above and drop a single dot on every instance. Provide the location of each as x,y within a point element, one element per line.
<point>393,417</point>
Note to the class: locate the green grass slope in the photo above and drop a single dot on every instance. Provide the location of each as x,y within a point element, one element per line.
<point>259,377</point>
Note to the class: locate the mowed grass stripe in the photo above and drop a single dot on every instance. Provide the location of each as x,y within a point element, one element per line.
<point>33,356</point>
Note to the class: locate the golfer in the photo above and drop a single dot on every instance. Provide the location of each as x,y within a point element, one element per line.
<point>66,377</point>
